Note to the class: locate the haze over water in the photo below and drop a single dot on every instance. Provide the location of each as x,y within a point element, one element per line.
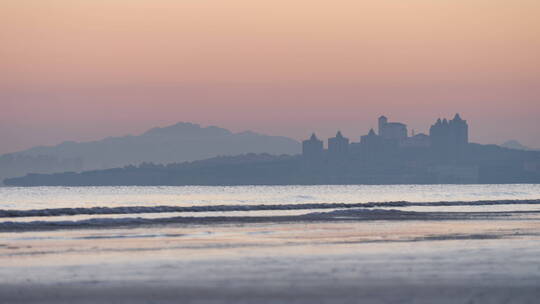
<point>86,197</point>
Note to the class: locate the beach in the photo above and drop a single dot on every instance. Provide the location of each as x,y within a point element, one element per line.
<point>468,252</point>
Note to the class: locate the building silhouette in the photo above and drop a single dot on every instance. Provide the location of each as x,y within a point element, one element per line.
<point>419,140</point>
<point>312,148</point>
<point>449,138</point>
<point>392,130</point>
<point>338,146</point>
<point>371,145</point>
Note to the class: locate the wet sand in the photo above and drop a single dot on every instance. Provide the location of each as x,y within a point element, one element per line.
<point>488,259</point>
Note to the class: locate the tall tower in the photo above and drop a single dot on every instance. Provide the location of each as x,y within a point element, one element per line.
<point>461,130</point>
<point>312,148</point>
<point>449,139</point>
<point>338,146</point>
<point>382,122</point>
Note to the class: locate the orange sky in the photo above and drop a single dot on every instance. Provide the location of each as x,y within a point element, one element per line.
<point>81,69</point>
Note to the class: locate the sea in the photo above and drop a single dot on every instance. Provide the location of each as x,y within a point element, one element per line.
<point>271,244</point>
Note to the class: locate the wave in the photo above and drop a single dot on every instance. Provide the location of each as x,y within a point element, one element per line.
<point>7,213</point>
<point>336,215</point>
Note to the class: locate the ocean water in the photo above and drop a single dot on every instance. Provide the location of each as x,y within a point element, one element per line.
<point>84,197</point>
<point>275,244</point>
<point>61,204</point>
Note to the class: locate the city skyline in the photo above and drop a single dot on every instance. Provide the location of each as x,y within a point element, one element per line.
<point>389,156</point>
<point>355,133</point>
<point>443,135</point>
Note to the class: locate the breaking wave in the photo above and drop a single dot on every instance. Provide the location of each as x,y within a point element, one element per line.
<point>7,213</point>
<point>342,215</point>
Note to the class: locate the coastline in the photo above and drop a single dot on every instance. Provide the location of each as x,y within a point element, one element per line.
<point>331,244</point>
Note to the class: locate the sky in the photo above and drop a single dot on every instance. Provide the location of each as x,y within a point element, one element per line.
<point>83,70</point>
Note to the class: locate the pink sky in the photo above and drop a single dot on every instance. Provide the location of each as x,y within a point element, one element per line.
<point>82,70</point>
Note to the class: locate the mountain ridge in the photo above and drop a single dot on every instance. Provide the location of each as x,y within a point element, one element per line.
<point>183,141</point>
<point>514,144</point>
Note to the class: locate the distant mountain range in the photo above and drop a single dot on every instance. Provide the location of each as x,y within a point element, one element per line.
<point>176,143</point>
<point>514,144</point>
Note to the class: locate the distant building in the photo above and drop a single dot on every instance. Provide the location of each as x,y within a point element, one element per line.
<point>312,148</point>
<point>420,140</point>
<point>392,130</point>
<point>371,145</point>
<point>449,138</point>
<point>338,146</point>
<point>370,138</point>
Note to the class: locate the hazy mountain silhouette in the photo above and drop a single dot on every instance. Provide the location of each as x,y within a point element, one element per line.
<point>389,157</point>
<point>177,143</point>
<point>514,144</point>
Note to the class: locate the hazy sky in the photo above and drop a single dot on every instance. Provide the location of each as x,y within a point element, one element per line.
<point>86,69</point>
